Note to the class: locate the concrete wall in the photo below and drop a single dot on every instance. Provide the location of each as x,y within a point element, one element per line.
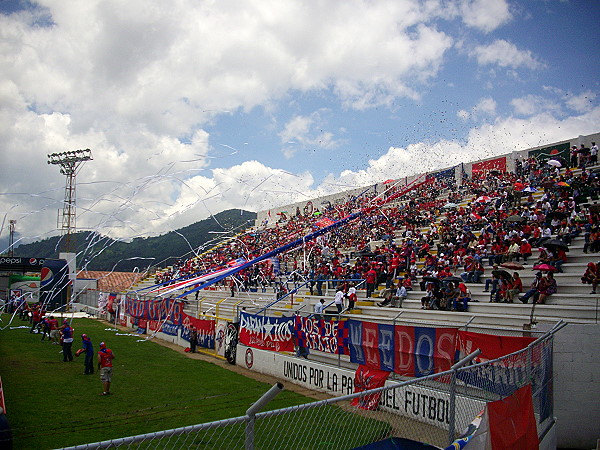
<point>577,385</point>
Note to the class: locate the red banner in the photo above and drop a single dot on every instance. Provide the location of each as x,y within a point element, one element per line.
<point>324,222</point>
<point>491,346</point>
<point>512,421</point>
<point>498,164</point>
<point>365,379</point>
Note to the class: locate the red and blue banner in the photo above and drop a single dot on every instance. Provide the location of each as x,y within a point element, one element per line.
<point>163,327</point>
<point>157,309</point>
<point>327,336</point>
<point>406,350</point>
<point>267,333</point>
<point>204,327</point>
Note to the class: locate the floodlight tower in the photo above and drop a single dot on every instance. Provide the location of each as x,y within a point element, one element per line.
<point>11,244</point>
<point>69,163</point>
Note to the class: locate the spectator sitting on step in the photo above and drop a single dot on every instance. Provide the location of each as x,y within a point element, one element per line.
<point>546,288</point>
<point>525,250</point>
<point>386,294</point>
<point>557,258</point>
<point>592,276</point>
<point>515,286</point>
<point>493,282</point>
<point>407,282</point>
<point>533,291</point>
<point>593,242</point>
<point>428,298</point>
<point>461,302</point>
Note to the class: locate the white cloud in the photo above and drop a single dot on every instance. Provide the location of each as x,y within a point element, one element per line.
<point>505,54</point>
<point>486,15</point>
<point>491,139</point>
<point>306,131</point>
<point>462,114</point>
<point>582,102</point>
<point>534,104</point>
<point>486,107</point>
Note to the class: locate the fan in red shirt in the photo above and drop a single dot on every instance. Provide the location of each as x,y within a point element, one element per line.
<point>105,357</point>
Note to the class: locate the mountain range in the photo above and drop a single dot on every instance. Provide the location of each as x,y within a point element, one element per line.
<point>98,252</point>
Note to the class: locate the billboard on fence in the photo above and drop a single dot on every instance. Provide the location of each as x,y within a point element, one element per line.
<point>483,167</point>
<point>267,333</point>
<point>560,151</point>
<point>54,282</point>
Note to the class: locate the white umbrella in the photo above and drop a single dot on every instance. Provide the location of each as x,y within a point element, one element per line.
<point>530,189</point>
<point>554,163</point>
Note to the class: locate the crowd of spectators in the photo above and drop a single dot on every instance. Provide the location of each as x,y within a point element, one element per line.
<point>509,217</point>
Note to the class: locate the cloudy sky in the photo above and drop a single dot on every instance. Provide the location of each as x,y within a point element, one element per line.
<point>191,107</point>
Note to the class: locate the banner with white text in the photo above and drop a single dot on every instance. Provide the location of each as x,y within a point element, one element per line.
<point>267,333</point>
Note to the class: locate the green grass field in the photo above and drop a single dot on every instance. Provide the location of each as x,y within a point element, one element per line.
<point>51,404</point>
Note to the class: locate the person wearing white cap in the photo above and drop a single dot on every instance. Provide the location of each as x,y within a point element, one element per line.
<point>351,297</point>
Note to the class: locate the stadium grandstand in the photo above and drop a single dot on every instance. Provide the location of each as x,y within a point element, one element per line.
<point>505,247</point>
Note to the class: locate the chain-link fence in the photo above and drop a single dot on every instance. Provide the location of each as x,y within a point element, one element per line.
<point>435,409</point>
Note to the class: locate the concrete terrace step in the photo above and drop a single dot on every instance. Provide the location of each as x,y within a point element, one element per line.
<point>505,318</point>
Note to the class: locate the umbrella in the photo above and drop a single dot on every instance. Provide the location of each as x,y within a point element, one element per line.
<point>512,266</point>
<point>456,279</point>
<point>530,189</point>
<point>515,218</point>
<point>499,273</point>
<point>544,268</point>
<point>562,184</point>
<point>429,279</point>
<point>388,181</point>
<point>483,199</point>
<point>555,243</point>
<point>554,163</point>
<point>450,205</point>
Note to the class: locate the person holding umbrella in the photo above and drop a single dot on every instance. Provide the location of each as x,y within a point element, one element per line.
<point>546,288</point>
<point>557,258</point>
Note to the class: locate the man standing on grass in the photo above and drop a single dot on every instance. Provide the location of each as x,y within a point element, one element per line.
<point>105,357</point>
<point>193,339</point>
<point>88,348</point>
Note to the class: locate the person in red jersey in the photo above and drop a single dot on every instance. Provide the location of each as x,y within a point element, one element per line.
<point>105,357</point>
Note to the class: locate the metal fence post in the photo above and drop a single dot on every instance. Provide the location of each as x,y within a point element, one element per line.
<point>255,408</point>
<point>452,402</point>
